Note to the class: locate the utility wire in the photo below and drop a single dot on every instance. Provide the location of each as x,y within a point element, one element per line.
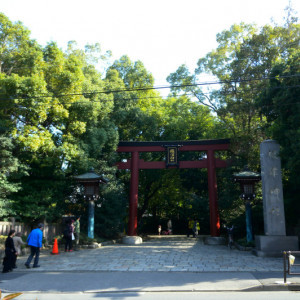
<point>221,93</point>
<point>159,97</point>
<point>153,88</point>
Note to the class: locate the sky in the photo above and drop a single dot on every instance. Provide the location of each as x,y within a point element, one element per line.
<point>163,34</point>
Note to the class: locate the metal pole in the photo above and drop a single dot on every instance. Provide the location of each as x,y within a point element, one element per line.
<point>289,264</point>
<point>284,266</point>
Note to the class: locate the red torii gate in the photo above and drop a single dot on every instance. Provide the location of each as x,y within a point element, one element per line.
<point>210,163</point>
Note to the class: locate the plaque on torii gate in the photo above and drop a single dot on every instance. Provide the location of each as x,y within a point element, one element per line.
<point>172,148</point>
<point>172,155</point>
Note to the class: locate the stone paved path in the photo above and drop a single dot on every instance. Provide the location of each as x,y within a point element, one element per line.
<point>165,254</point>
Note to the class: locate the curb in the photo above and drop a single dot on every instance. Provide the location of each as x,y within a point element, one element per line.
<point>284,287</point>
<point>94,245</point>
<point>262,288</point>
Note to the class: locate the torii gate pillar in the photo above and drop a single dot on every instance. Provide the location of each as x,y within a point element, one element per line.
<point>213,195</point>
<point>133,201</point>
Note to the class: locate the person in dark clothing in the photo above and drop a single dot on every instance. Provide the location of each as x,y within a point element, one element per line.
<point>68,232</point>
<point>10,253</point>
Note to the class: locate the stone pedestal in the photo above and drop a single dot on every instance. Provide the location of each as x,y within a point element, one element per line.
<point>214,240</point>
<point>274,245</point>
<point>132,240</point>
<point>275,240</point>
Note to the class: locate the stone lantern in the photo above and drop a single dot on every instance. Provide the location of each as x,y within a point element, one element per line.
<point>247,180</point>
<point>91,181</point>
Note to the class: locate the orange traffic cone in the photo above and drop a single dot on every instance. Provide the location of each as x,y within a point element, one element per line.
<point>55,247</point>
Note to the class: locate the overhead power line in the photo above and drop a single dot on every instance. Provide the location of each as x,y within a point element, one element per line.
<point>43,95</point>
<point>222,93</point>
<point>148,88</point>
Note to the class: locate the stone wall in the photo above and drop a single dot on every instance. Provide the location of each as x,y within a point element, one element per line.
<point>49,232</point>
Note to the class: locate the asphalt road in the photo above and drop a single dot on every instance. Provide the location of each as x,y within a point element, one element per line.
<point>110,282</point>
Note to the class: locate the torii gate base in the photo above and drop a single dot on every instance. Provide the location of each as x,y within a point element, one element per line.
<point>132,240</point>
<point>210,163</point>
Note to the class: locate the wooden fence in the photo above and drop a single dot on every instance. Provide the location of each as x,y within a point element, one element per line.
<point>49,232</point>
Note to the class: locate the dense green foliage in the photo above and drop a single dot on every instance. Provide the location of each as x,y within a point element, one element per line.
<point>60,116</point>
<point>8,165</point>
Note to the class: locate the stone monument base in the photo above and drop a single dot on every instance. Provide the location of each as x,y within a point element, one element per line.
<point>214,240</point>
<point>274,245</point>
<point>132,240</point>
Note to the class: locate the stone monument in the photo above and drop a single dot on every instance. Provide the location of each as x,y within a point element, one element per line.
<point>275,240</point>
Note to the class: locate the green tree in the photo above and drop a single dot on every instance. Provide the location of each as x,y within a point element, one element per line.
<point>137,105</point>
<point>243,59</point>
<point>52,113</point>
<point>8,166</point>
<point>18,53</point>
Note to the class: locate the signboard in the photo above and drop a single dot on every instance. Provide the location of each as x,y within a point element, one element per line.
<point>172,156</point>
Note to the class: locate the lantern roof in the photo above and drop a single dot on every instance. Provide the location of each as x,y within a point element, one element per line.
<point>246,174</point>
<point>91,176</point>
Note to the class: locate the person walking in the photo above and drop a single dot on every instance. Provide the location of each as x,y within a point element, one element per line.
<point>10,253</point>
<point>77,232</point>
<point>35,240</point>
<point>190,228</point>
<point>18,242</point>
<point>169,226</point>
<point>196,228</point>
